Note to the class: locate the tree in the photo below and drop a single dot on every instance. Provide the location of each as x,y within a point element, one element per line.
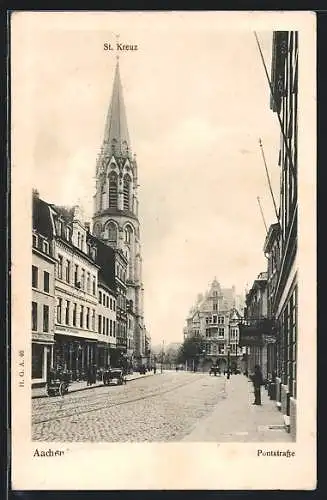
<point>191,350</point>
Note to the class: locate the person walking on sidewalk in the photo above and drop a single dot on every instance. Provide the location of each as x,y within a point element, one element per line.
<point>257,380</point>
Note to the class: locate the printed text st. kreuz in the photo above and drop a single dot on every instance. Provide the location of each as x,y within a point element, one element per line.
<point>120,46</point>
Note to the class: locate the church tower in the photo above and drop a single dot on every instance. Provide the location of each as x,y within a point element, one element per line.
<point>115,219</point>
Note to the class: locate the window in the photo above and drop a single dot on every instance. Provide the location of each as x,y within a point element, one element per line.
<point>103,325</point>
<point>107,326</point>
<point>82,242</point>
<point>126,191</point>
<point>100,297</point>
<point>45,247</point>
<point>34,240</point>
<point>78,239</point>
<point>67,312</point>
<point>107,304</point>
<point>215,307</point>
<point>45,318</point>
<point>34,316</point>
<point>87,318</point>
<point>128,234</point>
<point>221,320</point>
<point>74,314</point>
<point>37,360</point>
<point>46,281</point>
<point>88,283</point>
<point>111,328</point>
<point>34,276</point>
<point>93,285</point>
<point>114,304</point>
<point>93,320</point>
<point>112,232</point>
<point>59,310</point>
<point>81,317</point>
<point>59,268</point>
<point>83,279</point>
<point>76,274</point>
<point>99,323</point>
<point>208,334</point>
<point>214,319</point>
<point>221,332</point>
<point>113,190</point>
<point>221,349</point>
<point>68,271</point>
<point>110,303</point>
<point>114,326</point>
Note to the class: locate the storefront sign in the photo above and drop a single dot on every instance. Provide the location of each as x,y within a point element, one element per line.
<point>43,337</point>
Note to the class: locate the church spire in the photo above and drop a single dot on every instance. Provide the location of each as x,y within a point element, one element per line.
<point>116,137</point>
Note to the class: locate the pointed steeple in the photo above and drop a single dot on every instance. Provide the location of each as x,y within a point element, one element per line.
<point>116,137</point>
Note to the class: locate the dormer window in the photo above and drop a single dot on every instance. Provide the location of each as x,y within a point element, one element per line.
<point>34,240</point>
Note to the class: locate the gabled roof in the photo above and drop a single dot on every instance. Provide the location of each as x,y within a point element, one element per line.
<point>41,218</point>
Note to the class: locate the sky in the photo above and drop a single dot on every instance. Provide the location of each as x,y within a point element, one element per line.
<point>197,101</point>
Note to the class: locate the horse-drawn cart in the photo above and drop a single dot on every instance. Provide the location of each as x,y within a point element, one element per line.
<point>57,384</point>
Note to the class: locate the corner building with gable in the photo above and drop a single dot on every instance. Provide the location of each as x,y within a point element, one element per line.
<point>115,219</point>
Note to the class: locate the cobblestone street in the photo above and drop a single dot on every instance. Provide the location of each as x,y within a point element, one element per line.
<point>164,407</point>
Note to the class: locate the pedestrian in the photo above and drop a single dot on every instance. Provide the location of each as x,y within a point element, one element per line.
<point>89,375</point>
<point>257,380</point>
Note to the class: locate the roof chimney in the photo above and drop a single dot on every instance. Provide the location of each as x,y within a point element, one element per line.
<point>36,194</point>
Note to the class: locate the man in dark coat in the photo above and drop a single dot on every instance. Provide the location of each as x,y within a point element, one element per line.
<point>257,380</point>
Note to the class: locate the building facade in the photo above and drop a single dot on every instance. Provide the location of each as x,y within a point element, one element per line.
<point>43,289</point>
<point>284,101</point>
<point>280,245</point>
<point>76,291</point>
<point>215,320</point>
<point>116,220</point>
<point>257,332</point>
<point>106,317</point>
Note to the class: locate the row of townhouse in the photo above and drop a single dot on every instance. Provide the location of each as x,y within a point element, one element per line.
<point>214,319</point>
<point>80,312</point>
<point>270,332</point>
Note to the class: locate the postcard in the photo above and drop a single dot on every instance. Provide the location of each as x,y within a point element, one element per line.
<point>163,250</point>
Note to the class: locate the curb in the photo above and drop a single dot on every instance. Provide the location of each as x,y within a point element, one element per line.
<point>90,387</point>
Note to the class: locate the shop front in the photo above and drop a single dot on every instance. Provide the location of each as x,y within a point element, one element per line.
<point>42,358</point>
<point>74,355</point>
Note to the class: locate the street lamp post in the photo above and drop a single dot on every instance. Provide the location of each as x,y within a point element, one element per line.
<point>228,361</point>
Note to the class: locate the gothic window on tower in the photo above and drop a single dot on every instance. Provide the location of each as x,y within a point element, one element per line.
<point>112,232</point>
<point>128,234</point>
<point>127,191</point>
<point>113,190</point>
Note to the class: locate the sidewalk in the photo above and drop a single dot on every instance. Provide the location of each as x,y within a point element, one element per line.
<point>235,419</point>
<point>39,392</point>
